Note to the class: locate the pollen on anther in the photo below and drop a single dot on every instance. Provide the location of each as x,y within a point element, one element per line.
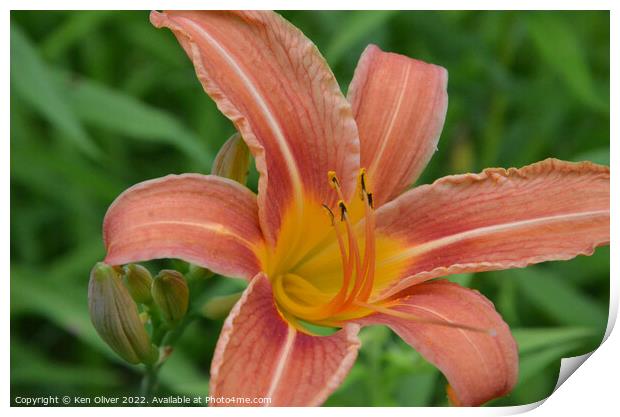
<point>333,179</point>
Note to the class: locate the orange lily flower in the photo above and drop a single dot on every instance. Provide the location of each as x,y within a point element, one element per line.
<point>333,237</point>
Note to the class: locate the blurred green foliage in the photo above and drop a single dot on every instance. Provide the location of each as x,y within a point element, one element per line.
<point>102,100</point>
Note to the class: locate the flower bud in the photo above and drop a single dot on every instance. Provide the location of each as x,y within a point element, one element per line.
<point>171,295</point>
<point>233,160</point>
<point>218,307</point>
<point>115,316</point>
<point>197,273</point>
<point>144,317</point>
<point>138,281</point>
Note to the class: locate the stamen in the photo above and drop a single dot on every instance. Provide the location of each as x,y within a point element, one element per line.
<point>369,252</point>
<point>334,182</point>
<point>333,179</point>
<point>353,252</point>
<point>343,210</point>
<point>330,213</point>
<point>363,179</point>
<point>356,293</point>
<point>347,268</point>
<point>347,261</point>
<point>370,200</point>
<point>364,274</point>
<point>412,317</point>
<point>362,183</point>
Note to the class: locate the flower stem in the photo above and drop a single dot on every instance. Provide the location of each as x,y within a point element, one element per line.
<point>149,380</point>
<point>165,339</point>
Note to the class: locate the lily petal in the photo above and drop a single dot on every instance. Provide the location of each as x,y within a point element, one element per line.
<point>204,219</point>
<point>261,355</point>
<point>478,366</point>
<point>272,82</point>
<point>400,106</point>
<point>499,219</point>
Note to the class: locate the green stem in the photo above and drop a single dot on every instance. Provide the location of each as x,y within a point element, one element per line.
<point>166,338</point>
<point>149,380</point>
<point>173,335</point>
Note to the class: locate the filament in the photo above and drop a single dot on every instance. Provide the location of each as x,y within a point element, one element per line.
<point>411,317</point>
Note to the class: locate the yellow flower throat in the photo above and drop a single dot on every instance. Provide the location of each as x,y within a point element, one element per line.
<point>330,266</point>
<point>334,277</point>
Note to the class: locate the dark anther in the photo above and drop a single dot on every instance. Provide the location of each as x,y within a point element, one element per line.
<point>343,210</point>
<point>370,203</point>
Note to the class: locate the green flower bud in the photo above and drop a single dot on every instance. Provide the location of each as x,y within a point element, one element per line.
<point>196,272</point>
<point>138,280</point>
<point>219,307</point>
<point>233,160</point>
<point>144,317</point>
<point>115,316</point>
<point>171,295</point>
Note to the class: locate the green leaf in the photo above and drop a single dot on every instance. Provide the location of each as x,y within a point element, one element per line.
<point>66,306</point>
<point>71,267</point>
<point>558,298</point>
<point>598,156</point>
<point>506,301</point>
<point>32,166</point>
<point>73,30</point>
<point>32,80</point>
<point>416,390</point>
<point>588,270</point>
<point>407,377</point>
<point>562,52</point>
<point>354,28</point>
<point>158,43</point>
<point>29,366</point>
<point>531,339</point>
<point>536,362</point>
<point>105,108</point>
<point>353,391</point>
<point>463,280</point>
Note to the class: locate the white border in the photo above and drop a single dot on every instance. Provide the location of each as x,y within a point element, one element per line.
<point>591,390</point>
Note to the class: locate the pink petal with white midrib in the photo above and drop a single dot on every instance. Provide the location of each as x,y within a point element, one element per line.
<point>261,355</point>
<point>203,219</point>
<point>499,219</point>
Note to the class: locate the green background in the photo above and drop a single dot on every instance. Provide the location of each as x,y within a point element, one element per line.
<point>102,100</point>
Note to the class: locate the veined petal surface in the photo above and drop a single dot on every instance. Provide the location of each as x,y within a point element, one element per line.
<point>479,366</point>
<point>400,105</point>
<point>499,219</point>
<point>204,219</point>
<point>277,89</point>
<point>259,354</point>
